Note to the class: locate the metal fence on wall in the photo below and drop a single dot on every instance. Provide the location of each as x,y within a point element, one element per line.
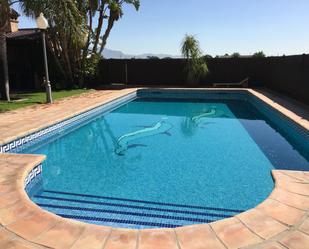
<point>287,74</point>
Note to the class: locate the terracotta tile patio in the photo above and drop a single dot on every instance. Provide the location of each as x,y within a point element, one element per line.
<point>281,221</point>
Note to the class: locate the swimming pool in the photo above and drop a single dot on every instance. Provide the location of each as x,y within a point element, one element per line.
<point>166,159</point>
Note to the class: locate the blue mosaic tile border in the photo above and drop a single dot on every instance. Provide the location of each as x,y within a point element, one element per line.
<point>34,180</point>
<point>19,144</point>
<point>193,94</point>
<point>35,172</point>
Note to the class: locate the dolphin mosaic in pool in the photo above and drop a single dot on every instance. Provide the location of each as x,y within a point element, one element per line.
<point>124,142</point>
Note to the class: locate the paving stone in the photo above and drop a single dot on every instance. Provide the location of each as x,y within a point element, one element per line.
<point>261,224</point>
<point>294,187</point>
<point>18,244</point>
<point>291,199</point>
<point>156,238</point>
<point>9,199</point>
<point>32,226</point>
<point>122,239</point>
<point>295,240</point>
<point>6,188</point>
<point>269,245</point>
<point>234,234</point>
<point>198,237</point>
<point>297,175</point>
<point>5,237</point>
<point>282,176</point>
<point>11,214</point>
<point>61,236</point>
<point>281,212</point>
<point>305,226</point>
<point>93,237</point>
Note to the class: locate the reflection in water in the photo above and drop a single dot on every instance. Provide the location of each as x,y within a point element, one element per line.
<point>189,125</point>
<point>125,142</point>
<point>198,119</point>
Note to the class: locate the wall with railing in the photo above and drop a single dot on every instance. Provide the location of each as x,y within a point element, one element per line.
<point>286,74</point>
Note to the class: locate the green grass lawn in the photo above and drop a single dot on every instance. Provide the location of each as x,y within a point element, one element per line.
<point>26,99</point>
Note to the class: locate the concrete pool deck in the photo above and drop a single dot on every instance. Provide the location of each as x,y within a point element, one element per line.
<point>281,221</point>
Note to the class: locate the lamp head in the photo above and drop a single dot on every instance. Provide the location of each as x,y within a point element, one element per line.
<point>41,22</point>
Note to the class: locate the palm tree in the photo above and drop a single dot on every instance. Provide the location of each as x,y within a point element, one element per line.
<point>71,32</point>
<point>98,32</point>
<point>66,33</point>
<point>4,24</point>
<point>112,11</point>
<point>74,38</point>
<point>196,66</point>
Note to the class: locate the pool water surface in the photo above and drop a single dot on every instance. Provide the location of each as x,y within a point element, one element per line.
<point>166,163</point>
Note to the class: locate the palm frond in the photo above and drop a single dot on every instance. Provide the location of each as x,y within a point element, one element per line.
<point>196,66</point>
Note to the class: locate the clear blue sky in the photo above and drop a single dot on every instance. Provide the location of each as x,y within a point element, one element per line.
<point>222,26</point>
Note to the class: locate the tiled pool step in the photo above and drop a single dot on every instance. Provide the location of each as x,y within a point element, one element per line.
<point>126,212</point>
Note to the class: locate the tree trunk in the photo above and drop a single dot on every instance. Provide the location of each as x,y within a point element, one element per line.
<point>107,32</point>
<point>67,62</point>
<point>52,46</point>
<point>98,30</point>
<point>4,64</point>
<point>85,53</point>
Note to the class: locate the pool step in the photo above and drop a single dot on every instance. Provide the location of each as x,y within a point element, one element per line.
<point>127,213</point>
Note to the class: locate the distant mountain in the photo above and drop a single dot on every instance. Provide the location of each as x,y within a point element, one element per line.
<point>115,54</point>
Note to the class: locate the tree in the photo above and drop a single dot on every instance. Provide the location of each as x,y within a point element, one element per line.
<point>64,20</point>
<point>4,24</point>
<point>73,38</point>
<point>196,67</point>
<point>66,33</point>
<point>109,10</point>
<point>235,55</point>
<point>208,56</point>
<point>259,54</point>
<point>153,57</point>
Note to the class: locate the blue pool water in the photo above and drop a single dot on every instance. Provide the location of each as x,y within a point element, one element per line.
<point>166,163</point>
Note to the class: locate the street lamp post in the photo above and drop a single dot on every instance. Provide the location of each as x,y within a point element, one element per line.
<point>43,25</point>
